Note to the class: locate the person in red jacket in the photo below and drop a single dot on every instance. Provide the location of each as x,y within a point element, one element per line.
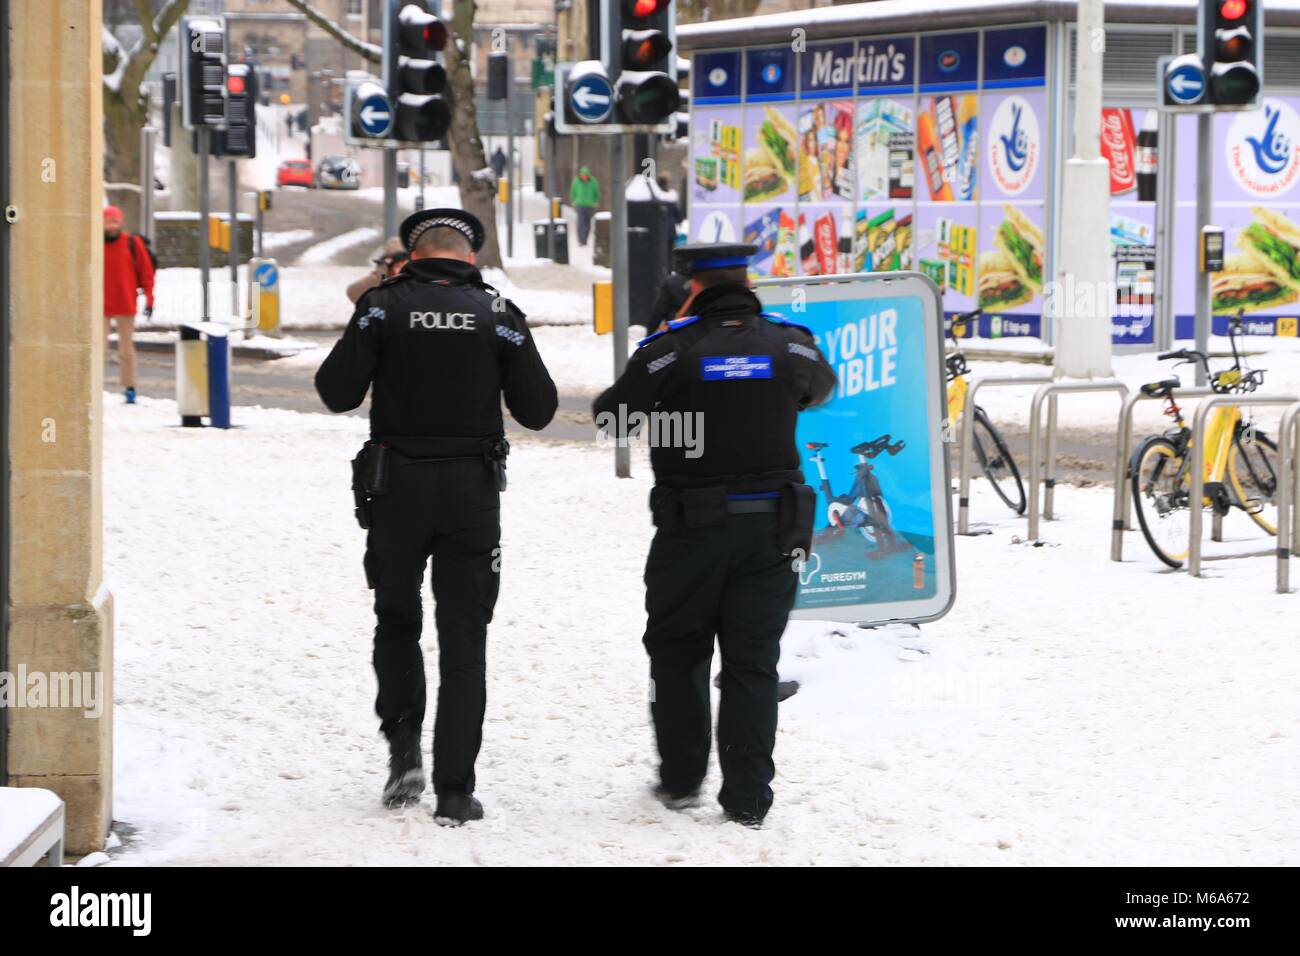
<point>128,270</point>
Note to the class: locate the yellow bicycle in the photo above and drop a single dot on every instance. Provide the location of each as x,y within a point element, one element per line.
<point>990,450</point>
<point>1240,461</point>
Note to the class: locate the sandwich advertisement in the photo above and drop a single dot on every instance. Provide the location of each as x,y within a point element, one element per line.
<point>771,163</point>
<point>882,531</point>
<point>1257,203</point>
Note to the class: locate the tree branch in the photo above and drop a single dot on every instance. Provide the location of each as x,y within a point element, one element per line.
<point>146,22</point>
<point>167,17</point>
<point>367,51</point>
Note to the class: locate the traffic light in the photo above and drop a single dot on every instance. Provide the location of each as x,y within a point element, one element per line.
<point>240,135</point>
<point>643,61</point>
<point>1232,50</point>
<point>412,75</point>
<point>203,73</point>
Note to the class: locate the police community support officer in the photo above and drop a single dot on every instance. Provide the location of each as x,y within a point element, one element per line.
<point>441,348</point>
<point>727,521</point>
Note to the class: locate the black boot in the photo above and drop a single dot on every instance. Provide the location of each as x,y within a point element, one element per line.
<point>744,818</point>
<point>455,809</point>
<point>405,771</point>
<point>677,799</point>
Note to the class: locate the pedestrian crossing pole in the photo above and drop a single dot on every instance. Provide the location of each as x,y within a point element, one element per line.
<point>619,268</point>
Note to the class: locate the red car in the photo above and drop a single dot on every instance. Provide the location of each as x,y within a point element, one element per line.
<point>295,172</point>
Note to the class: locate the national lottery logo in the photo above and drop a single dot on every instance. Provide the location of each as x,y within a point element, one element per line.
<point>1263,149</point>
<point>1013,145</point>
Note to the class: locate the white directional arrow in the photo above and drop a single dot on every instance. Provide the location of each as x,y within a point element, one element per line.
<point>1182,83</point>
<point>369,114</point>
<point>585,97</point>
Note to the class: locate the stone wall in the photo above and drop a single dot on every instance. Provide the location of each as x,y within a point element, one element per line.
<point>177,235</point>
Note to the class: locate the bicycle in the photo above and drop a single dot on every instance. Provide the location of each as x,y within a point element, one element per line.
<point>990,450</point>
<point>864,508</point>
<point>1160,469</point>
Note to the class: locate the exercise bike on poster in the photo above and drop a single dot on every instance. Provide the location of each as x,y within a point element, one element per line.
<point>864,508</point>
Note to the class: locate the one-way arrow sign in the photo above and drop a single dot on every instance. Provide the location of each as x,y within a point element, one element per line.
<point>591,97</point>
<point>1182,79</point>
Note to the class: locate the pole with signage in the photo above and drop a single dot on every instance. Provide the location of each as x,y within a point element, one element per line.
<point>1204,203</point>
<point>619,274</point>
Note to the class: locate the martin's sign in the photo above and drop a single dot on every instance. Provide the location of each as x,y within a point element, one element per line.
<point>876,64</point>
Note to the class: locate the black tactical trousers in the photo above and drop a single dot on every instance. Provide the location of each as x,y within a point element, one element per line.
<point>449,511</point>
<point>732,582</point>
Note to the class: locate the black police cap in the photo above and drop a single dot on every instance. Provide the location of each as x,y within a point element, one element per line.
<point>704,256</point>
<point>465,223</point>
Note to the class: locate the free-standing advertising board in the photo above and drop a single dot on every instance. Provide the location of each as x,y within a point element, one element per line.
<point>882,547</point>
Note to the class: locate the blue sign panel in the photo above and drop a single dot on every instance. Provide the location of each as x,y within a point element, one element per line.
<point>1015,57</point>
<point>267,275</point>
<point>950,61</point>
<point>592,98</point>
<point>375,116</point>
<point>716,77</point>
<point>769,74</point>
<point>829,69</point>
<point>730,367</point>
<point>886,64</point>
<point>1186,83</point>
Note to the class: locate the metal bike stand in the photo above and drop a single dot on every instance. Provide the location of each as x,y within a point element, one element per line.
<point>1288,493</point>
<point>1197,491</point>
<point>1122,517</point>
<point>1051,390</point>
<point>968,437</point>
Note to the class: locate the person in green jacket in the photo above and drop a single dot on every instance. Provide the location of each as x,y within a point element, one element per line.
<point>584,194</point>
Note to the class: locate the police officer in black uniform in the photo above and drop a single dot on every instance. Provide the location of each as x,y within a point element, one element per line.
<point>438,348</point>
<point>728,521</point>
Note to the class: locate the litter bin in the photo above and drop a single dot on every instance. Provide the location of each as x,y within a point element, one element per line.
<point>561,240</point>
<point>203,375</point>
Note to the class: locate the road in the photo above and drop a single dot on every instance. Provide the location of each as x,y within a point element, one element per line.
<point>1085,456</point>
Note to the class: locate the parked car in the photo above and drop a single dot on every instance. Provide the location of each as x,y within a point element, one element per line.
<point>338,172</point>
<point>295,172</point>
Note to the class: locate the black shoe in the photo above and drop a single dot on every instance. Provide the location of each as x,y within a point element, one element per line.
<point>455,809</point>
<point>405,772</point>
<point>745,819</point>
<point>677,799</point>
<point>786,689</point>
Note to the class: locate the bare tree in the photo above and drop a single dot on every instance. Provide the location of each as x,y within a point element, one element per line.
<point>477,190</point>
<point>126,108</point>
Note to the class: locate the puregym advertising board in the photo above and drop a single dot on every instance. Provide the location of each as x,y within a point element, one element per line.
<point>882,532</point>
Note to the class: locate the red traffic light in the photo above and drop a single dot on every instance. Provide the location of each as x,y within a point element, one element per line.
<point>643,48</point>
<point>235,84</point>
<point>645,8</point>
<point>1233,9</point>
<point>420,31</point>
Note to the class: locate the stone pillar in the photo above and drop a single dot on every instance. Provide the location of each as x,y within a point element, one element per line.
<point>61,615</point>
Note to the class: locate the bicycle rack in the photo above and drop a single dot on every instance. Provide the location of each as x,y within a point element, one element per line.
<point>1122,518</point>
<point>968,432</point>
<point>1052,390</point>
<point>1288,494</point>
<point>1197,491</point>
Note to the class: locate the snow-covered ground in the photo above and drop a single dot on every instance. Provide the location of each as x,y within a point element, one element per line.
<point>1067,710</point>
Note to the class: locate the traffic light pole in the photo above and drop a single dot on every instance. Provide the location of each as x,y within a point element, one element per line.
<point>551,186</point>
<point>1204,199</point>
<point>510,161</point>
<point>618,264</point>
<point>232,178</point>
<point>204,211</point>
<point>390,192</point>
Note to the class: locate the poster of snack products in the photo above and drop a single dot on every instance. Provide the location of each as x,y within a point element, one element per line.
<point>882,239</point>
<point>716,147</point>
<point>826,151</point>
<point>947,147</point>
<point>946,243</point>
<point>770,166</point>
<point>773,230</point>
<point>825,239</point>
<point>1257,202</point>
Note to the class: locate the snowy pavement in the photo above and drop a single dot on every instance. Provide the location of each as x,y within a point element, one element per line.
<point>1067,711</point>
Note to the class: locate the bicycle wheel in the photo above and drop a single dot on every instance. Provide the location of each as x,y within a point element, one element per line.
<point>1160,485</point>
<point>1252,475</point>
<point>997,464</point>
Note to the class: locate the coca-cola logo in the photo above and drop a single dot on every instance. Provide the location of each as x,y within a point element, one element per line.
<point>1119,149</point>
<point>1014,145</point>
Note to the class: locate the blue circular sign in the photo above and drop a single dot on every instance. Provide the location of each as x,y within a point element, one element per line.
<point>266,275</point>
<point>1185,83</point>
<point>375,115</point>
<point>591,97</point>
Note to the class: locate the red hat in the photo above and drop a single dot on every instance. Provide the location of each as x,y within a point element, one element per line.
<point>113,212</point>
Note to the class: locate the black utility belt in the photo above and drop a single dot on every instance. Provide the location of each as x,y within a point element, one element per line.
<point>371,467</point>
<point>683,509</point>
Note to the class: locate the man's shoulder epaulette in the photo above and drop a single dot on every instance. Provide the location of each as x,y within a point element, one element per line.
<point>781,320</point>
<point>673,326</point>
